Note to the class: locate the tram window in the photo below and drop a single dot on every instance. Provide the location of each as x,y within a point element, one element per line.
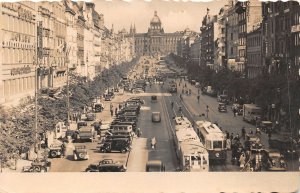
<point>217,144</point>
<point>208,144</point>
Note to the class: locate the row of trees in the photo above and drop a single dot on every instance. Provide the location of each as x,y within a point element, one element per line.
<point>17,124</point>
<point>278,95</point>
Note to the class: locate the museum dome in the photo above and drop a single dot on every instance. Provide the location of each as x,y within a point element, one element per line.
<point>155,18</point>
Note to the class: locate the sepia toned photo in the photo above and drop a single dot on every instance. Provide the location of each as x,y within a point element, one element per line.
<point>157,86</point>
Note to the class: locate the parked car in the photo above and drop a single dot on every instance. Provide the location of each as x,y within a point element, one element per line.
<point>80,153</point>
<point>275,161</point>
<point>38,165</point>
<point>156,117</point>
<point>81,124</point>
<point>118,144</point>
<point>106,166</point>
<point>222,107</point>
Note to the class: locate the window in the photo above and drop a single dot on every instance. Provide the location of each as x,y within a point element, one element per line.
<point>217,144</point>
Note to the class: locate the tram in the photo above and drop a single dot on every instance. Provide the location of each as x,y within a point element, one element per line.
<point>191,152</point>
<point>214,140</point>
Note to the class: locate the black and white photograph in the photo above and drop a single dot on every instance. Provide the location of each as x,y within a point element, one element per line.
<point>183,89</point>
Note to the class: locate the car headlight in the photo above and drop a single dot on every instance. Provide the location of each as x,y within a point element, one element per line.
<point>294,151</point>
<point>288,151</point>
<point>217,154</point>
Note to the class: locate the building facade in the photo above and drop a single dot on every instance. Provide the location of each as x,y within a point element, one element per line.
<point>254,50</point>
<point>208,35</point>
<point>196,50</point>
<point>281,36</point>
<point>232,37</point>
<point>156,41</point>
<point>249,14</point>
<point>18,50</point>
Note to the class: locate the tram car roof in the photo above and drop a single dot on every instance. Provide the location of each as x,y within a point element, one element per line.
<point>182,121</point>
<point>193,148</point>
<point>186,135</point>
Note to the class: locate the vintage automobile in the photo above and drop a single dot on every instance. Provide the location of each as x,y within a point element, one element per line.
<point>80,153</point>
<point>136,99</point>
<point>287,146</point>
<point>223,99</point>
<point>275,161</point>
<point>98,107</point>
<point>153,99</point>
<point>156,117</point>
<point>106,165</point>
<point>155,166</point>
<point>118,144</point>
<point>222,107</point>
<point>81,124</point>
<point>38,165</point>
<point>90,117</point>
<point>266,126</point>
<point>55,151</point>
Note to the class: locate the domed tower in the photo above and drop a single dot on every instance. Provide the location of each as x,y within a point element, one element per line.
<point>155,24</point>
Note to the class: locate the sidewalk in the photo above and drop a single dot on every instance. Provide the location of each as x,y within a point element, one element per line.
<point>138,156</point>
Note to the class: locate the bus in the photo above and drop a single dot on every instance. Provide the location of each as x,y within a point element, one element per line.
<point>192,154</point>
<point>214,140</point>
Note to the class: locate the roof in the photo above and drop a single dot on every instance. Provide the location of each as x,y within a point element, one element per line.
<point>194,147</point>
<point>186,134</point>
<point>154,162</point>
<point>209,127</point>
<point>155,18</point>
<point>182,121</point>
<point>252,106</point>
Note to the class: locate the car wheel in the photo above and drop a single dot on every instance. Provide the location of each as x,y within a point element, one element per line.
<point>81,156</point>
<point>53,153</point>
<point>37,169</point>
<point>88,170</point>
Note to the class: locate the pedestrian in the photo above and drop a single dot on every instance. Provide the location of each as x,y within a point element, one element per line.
<point>242,161</point>
<point>185,85</point>
<point>231,137</point>
<point>120,106</point>
<point>228,144</point>
<point>63,149</point>
<point>198,98</point>
<point>269,134</point>
<point>243,133</point>
<point>116,111</point>
<point>227,135</point>
<point>234,112</point>
<point>111,106</point>
<point>111,112</point>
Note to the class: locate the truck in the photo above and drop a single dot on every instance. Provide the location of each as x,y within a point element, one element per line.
<point>251,113</point>
<point>86,134</point>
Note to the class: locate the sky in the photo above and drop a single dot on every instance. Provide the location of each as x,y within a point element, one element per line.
<point>175,15</point>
